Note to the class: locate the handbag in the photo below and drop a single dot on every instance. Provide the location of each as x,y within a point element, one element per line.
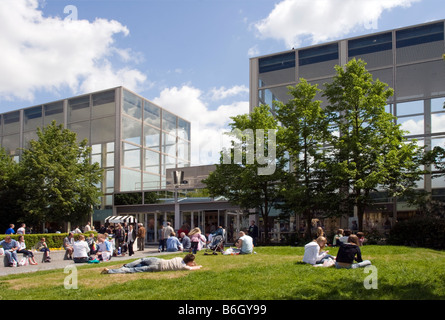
<point>24,261</point>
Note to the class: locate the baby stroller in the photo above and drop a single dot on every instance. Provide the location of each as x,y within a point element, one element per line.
<point>216,246</point>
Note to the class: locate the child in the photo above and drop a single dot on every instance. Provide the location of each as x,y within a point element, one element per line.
<point>361,238</point>
<point>337,237</point>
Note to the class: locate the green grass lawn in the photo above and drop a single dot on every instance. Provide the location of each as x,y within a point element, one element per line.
<point>274,273</point>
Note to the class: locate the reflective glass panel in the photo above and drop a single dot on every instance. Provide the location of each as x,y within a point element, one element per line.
<point>167,163</point>
<point>82,129</point>
<point>414,125</point>
<point>169,144</point>
<point>131,130</point>
<point>104,103</point>
<point>79,109</point>
<point>152,137</point>
<point>130,180</point>
<point>131,156</point>
<point>168,122</point>
<point>132,105</point>
<point>53,111</point>
<point>438,123</point>
<point>103,130</point>
<point>152,161</point>
<point>412,107</point>
<point>11,122</point>
<point>437,105</point>
<point>151,181</point>
<point>152,114</point>
<point>183,129</point>
<point>33,118</point>
<point>183,149</point>
<point>11,143</point>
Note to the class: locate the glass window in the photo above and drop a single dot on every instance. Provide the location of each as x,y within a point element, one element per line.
<point>11,122</point>
<point>82,129</point>
<point>168,122</point>
<point>152,161</point>
<point>277,62</point>
<point>318,54</point>
<point>33,118</point>
<point>132,105</point>
<point>109,181</point>
<point>131,156</point>
<point>11,143</point>
<point>267,96</point>
<point>169,144</point>
<point>371,44</point>
<point>438,182</point>
<point>104,104</point>
<point>183,129</point>
<point>53,111</point>
<point>183,149</point>
<point>131,130</point>
<point>79,109</point>
<point>420,80</point>
<point>151,181</point>
<point>437,105</point>
<point>167,163</point>
<point>412,107</point>
<point>437,122</point>
<point>130,180</point>
<point>152,137</point>
<point>414,125</point>
<point>128,198</point>
<point>152,114</point>
<point>103,130</point>
<point>419,35</point>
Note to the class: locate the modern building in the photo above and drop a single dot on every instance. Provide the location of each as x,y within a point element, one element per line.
<point>139,145</point>
<point>408,59</point>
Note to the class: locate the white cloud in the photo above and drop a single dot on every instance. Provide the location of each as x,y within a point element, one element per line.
<point>223,93</point>
<point>51,54</point>
<point>322,20</point>
<point>207,125</point>
<point>253,51</point>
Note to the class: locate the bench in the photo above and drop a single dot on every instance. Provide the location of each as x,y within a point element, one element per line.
<point>38,256</point>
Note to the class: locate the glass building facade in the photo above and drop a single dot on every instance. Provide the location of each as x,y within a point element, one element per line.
<point>134,140</point>
<point>408,59</point>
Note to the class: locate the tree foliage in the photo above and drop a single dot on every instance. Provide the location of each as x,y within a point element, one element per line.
<point>58,182</point>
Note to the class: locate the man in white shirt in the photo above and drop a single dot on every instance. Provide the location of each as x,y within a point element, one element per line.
<point>154,264</point>
<point>21,230</point>
<point>81,249</point>
<point>244,243</point>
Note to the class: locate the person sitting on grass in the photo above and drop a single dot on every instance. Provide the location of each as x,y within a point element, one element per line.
<point>81,250</point>
<point>154,264</point>
<point>244,244</point>
<point>348,253</point>
<point>313,252</point>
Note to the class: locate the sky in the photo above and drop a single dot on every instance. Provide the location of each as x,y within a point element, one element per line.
<point>190,57</point>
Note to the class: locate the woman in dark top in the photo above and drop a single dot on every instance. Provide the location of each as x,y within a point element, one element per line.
<point>349,252</point>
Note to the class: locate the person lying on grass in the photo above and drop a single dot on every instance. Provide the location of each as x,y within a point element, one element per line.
<point>154,264</point>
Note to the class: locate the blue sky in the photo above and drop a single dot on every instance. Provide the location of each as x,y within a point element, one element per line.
<point>189,56</point>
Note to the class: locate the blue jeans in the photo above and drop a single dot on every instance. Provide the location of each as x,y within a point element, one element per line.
<point>141,265</point>
<point>11,255</point>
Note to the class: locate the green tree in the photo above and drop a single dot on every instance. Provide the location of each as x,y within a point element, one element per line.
<point>59,183</point>
<point>303,134</point>
<point>370,151</point>
<point>243,176</point>
<point>9,190</point>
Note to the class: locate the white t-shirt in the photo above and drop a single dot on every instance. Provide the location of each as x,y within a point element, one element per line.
<point>247,245</point>
<point>81,249</point>
<point>174,264</point>
<point>312,253</point>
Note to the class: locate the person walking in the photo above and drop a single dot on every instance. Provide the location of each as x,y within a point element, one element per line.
<point>141,237</point>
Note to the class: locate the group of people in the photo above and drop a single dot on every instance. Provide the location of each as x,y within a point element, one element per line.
<point>349,255</point>
<point>153,264</point>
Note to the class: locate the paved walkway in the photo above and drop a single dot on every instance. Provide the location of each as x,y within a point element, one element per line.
<point>58,262</point>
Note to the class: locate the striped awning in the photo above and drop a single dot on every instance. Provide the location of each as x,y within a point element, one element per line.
<point>120,219</point>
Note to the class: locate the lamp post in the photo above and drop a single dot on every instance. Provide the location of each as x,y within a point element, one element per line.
<point>178,180</point>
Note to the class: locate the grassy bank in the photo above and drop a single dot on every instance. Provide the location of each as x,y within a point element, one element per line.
<point>274,273</point>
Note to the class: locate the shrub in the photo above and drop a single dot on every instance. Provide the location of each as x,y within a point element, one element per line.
<point>427,232</point>
<point>53,240</point>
